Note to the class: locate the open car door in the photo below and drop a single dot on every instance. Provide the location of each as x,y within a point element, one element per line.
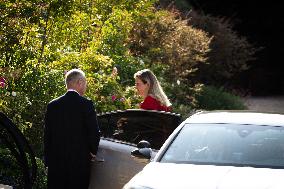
<point>121,131</point>
<point>17,161</point>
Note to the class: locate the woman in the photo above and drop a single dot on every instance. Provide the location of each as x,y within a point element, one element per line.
<point>149,88</point>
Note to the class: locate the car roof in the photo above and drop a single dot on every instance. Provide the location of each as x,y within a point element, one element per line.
<point>237,117</point>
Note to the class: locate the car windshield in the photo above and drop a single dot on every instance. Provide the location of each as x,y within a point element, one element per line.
<point>228,144</point>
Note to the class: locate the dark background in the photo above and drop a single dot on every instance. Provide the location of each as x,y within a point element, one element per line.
<point>261,22</point>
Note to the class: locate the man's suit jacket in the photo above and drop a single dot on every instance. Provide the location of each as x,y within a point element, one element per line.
<point>71,132</point>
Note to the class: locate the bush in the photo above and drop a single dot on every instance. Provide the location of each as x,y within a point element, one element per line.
<point>230,53</point>
<point>41,179</point>
<point>10,171</point>
<point>212,98</point>
<point>168,40</point>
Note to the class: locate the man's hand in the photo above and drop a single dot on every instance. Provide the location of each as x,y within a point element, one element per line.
<point>96,158</point>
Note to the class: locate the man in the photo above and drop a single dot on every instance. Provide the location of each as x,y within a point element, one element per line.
<point>71,135</point>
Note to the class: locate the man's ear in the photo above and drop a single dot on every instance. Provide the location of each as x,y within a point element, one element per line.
<point>80,82</point>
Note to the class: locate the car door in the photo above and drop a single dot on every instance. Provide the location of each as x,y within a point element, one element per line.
<point>121,131</point>
<point>17,161</point>
<point>117,166</point>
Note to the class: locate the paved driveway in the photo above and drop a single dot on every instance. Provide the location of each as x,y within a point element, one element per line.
<point>273,104</point>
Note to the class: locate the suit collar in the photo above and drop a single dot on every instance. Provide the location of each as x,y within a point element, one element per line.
<point>73,92</point>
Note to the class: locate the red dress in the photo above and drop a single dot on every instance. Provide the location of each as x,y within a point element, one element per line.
<point>151,103</point>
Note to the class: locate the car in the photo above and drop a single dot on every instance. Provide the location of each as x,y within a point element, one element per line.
<point>121,131</point>
<point>218,149</point>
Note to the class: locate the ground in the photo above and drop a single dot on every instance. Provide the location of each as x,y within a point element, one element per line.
<point>273,104</point>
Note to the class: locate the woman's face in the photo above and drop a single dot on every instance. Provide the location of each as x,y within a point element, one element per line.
<point>142,88</point>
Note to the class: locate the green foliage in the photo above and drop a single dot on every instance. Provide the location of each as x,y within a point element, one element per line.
<point>183,96</point>
<point>211,98</point>
<point>13,104</point>
<point>10,171</point>
<point>105,7</point>
<point>25,99</point>
<point>41,179</point>
<point>71,34</point>
<point>23,28</point>
<point>114,33</point>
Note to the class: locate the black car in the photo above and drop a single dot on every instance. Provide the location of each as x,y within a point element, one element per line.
<point>121,132</point>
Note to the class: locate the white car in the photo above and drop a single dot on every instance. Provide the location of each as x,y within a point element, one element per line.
<point>218,150</point>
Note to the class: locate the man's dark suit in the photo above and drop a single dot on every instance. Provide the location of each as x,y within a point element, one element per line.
<point>71,132</point>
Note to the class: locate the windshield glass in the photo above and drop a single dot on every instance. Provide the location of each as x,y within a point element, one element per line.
<point>228,144</point>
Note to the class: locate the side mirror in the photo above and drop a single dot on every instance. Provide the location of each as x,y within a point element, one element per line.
<point>143,150</point>
<point>143,144</point>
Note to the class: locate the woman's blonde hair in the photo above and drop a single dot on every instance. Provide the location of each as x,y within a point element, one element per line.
<point>155,89</point>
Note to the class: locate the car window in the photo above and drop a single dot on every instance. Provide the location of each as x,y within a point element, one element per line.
<point>136,125</point>
<point>228,144</point>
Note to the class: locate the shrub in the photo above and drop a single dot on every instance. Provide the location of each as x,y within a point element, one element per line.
<point>230,53</point>
<point>167,40</point>
<point>10,171</point>
<point>212,98</point>
<point>25,98</point>
<point>41,179</point>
